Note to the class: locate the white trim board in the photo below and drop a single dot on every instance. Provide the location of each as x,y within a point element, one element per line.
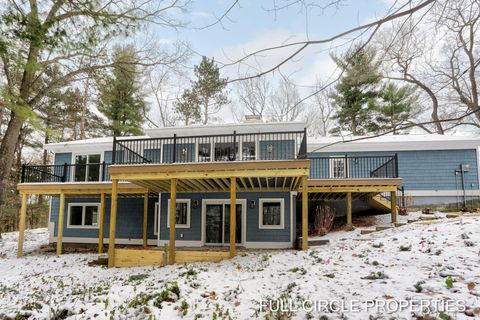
<point>392,144</point>
<point>440,193</point>
<point>268,245</point>
<point>105,240</point>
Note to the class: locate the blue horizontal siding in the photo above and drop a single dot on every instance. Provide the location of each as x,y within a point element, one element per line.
<point>427,169</point>
<point>129,218</point>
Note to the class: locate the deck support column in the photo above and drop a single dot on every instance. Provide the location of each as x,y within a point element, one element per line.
<point>113,224</point>
<point>21,231</point>
<point>349,211</point>
<point>61,214</point>
<point>233,215</point>
<point>393,203</point>
<point>101,222</point>
<point>145,219</point>
<point>304,213</point>
<point>172,218</point>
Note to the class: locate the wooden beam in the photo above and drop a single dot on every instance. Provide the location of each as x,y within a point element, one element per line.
<point>344,189</point>
<point>145,219</point>
<point>78,188</point>
<point>21,225</point>
<point>233,215</point>
<point>260,173</point>
<point>61,215</point>
<point>393,202</point>
<point>113,225</point>
<point>349,210</point>
<point>101,222</point>
<point>172,213</point>
<point>304,213</point>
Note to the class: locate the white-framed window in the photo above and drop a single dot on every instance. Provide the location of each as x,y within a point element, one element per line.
<point>156,217</point>
<point>271,214</point>
<point>182,213</point>
<point>338,167</point>
<point>83,215</point>
<point>87,167</point>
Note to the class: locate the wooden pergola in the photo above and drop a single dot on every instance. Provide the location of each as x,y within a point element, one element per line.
<point>67,189</point>
<point>276,175</point>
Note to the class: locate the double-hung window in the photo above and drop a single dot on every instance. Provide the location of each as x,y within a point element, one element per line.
<point>182,214</point>
<point>87,167</point>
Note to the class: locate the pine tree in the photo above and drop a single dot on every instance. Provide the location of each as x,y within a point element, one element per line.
<point>121,100</point>
<point>357,91</point>
<point>206,95</point>
<point>187,107</point>
<point>396,107</point>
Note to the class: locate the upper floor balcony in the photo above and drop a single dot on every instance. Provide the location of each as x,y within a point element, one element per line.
<point>211,148</point>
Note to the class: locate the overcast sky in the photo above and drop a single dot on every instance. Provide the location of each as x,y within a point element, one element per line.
<point>253,25</point>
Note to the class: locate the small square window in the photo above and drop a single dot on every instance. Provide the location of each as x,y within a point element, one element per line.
<point>271,214</point>
<point>83,215</point>
<point>182,214</point>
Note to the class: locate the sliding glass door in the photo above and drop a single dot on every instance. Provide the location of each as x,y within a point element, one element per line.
<point>217,223</point>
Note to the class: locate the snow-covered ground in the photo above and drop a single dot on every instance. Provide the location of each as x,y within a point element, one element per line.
<point>437,265</point>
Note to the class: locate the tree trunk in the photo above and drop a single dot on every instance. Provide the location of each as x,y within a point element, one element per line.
<point>7,156</point>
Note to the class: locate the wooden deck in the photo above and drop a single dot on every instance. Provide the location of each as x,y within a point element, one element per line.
<point>139,257</point>
<point>251,176</point>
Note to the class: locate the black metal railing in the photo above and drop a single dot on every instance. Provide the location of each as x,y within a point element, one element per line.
<point>353,167</point>
<point>94,172</point>
<point>209,148</point>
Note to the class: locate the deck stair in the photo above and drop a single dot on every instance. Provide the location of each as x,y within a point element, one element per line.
<point>379,202</point>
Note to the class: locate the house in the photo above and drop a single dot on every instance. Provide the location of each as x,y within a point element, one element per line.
<point>247,185</point>
<point>436,170</point>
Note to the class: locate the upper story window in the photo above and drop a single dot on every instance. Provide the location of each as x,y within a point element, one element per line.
<point>87,167</point>
<point>338,168</point>
<point>248,150</point>
<point>204,152</point>
<point>225,151</point>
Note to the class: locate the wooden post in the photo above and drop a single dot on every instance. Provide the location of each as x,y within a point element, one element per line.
<point>21,231</point>
<point>113,224</point>
<point>393,202</point>
<point>304,213</point>
<point>101,222</point>
<point>145,219</point>
<point>233,215</point>
<point>349,211</point>
<point>61,214</point>
<point>172,218</point>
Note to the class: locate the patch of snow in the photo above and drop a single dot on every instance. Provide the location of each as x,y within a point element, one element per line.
<point>415,260</point>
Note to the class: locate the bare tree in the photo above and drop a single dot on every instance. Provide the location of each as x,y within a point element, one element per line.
<point>283,105</point>
<point>320,112</point>
<point>254,95</point>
